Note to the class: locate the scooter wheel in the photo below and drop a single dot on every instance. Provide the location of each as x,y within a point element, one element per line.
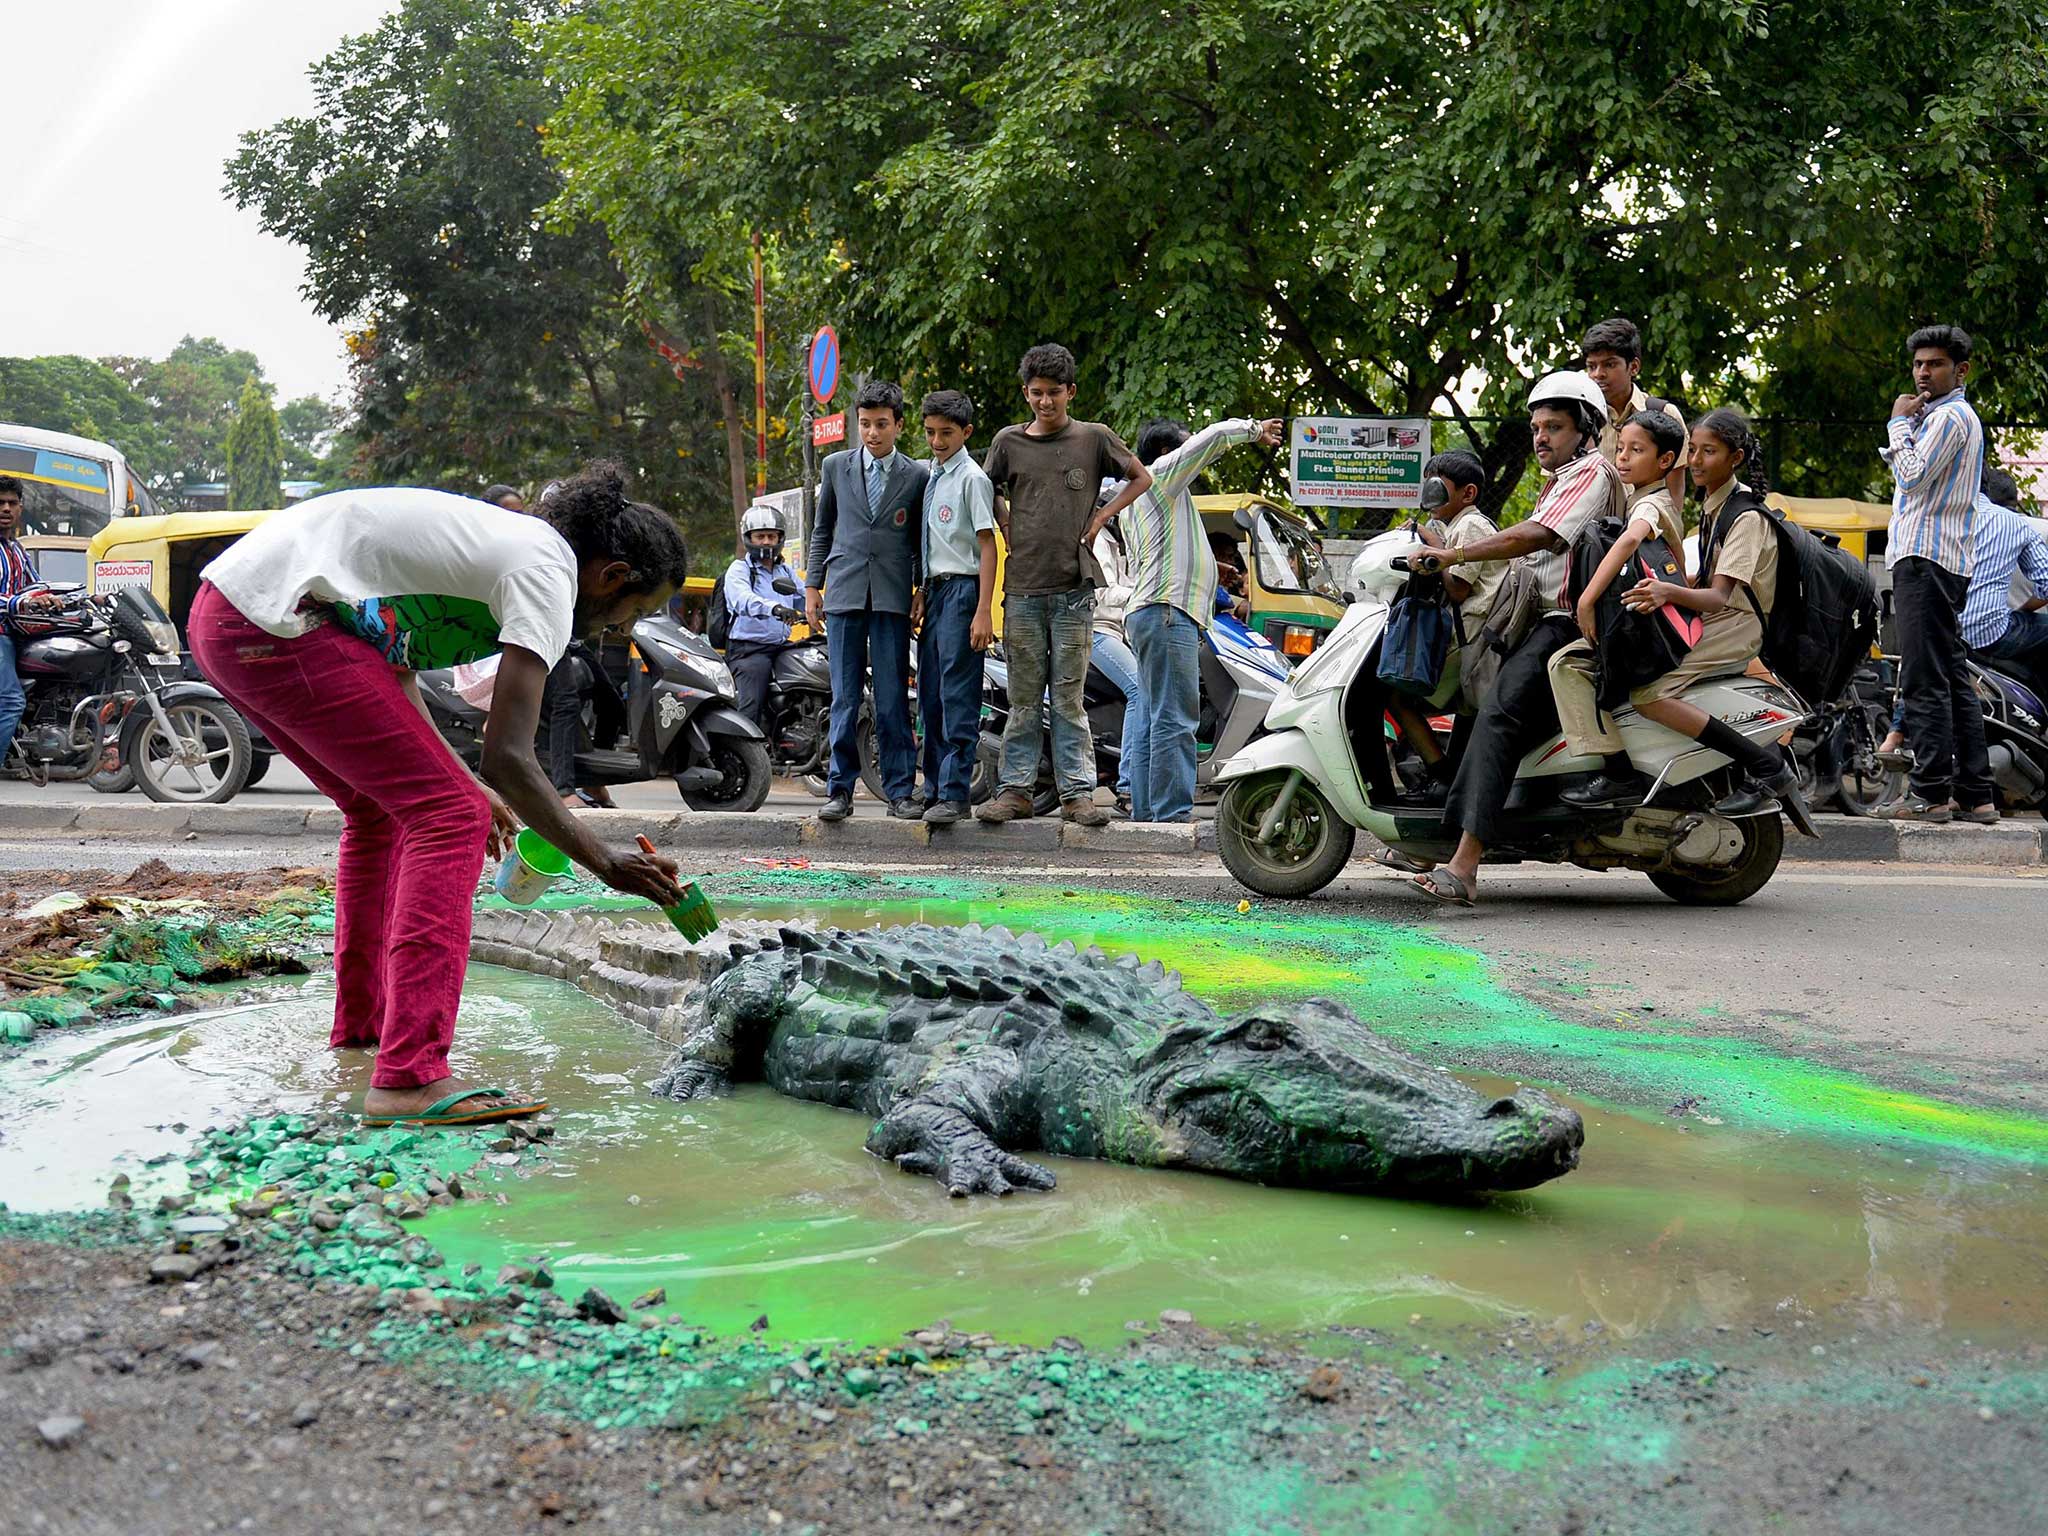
<point>1310,850</point>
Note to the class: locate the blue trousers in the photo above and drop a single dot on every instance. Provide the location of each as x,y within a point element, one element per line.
<point>1168,647</point>
<point>860,643</point>
<point>1045,637</point>
<point>1116,662</point>
<point>12,699</point>
<point>949,688</point>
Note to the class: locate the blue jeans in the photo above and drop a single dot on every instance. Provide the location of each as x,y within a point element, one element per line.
<point>858,642</point>
<point>1047,633</point>
<point>1168,647</point>
<point>11,697</point>
<point>1116,663</point>
<point>949,688</point>
<point>2023,648</point>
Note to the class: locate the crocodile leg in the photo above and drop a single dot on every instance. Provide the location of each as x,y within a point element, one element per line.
<point>947,1127</point>
<point>740,1009</point>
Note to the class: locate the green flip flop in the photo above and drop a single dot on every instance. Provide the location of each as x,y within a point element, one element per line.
<point>451,1110</point>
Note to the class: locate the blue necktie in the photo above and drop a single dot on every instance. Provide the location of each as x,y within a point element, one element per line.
<point>877,478</point>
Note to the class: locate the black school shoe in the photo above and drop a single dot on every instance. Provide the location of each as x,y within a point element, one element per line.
<point>1606,792</point>
<point>907,809</point>
<point>836,808</point>
<point>1753,797</point>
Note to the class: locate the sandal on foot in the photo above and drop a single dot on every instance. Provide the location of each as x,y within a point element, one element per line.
<point>1441,885</point>
<point>457,1109</point>
<point>1395,859</point>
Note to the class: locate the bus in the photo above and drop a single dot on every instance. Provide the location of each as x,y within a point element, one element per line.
<point>72,488</point>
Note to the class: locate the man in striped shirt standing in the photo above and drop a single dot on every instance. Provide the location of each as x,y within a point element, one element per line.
<point>1173,595</point>
<point>1936,454</point>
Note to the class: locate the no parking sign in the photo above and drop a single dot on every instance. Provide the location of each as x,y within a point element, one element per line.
<point>824,363</point>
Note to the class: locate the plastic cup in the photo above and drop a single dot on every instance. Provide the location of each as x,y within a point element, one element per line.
<point>529,867</point>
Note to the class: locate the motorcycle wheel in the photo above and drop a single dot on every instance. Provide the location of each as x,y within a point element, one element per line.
<point>816,785</point>
<point>870,763</point>
<point>1864,783</point>
<point>1763,844</point>
<point>205,762</point>
<point>258,767</point>
<point>118,782</point>
<point>745,779</point>
<point>1312,848</point>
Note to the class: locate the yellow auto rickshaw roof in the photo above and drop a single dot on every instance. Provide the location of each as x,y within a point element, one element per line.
<point>173,527</point>
<point>1219,510</point>
<point>1833,514</point>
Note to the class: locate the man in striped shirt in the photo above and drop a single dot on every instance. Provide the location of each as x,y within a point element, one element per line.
<point>2005,543</point>
<point>1936,454</point>
<point>21,590</point>
<point>1173,594</point>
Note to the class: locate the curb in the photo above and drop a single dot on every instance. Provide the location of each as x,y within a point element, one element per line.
<point>1844,839</point>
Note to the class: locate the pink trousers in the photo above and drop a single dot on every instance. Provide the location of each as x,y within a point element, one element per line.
<point>412,842</point>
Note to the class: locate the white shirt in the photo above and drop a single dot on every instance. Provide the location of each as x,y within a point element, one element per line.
<point>366,558</point>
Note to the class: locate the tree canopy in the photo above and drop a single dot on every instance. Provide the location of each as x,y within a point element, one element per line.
<point>1307,205</point>
<point>255,452</point>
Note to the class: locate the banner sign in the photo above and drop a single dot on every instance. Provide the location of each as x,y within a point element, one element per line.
<point>1357,461</point>
<point>828,429</point>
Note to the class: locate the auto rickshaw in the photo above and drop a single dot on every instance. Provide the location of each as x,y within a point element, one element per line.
<point>1294,596</point>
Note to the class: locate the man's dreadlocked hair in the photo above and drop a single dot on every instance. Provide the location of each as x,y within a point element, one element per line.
<point>591,511</point>
<point>1732,427</point>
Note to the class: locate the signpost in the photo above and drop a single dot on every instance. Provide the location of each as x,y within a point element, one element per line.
<point>824,364</point>
<point>821,370</point>
<point>1357,461</point>
<point>829,429</point>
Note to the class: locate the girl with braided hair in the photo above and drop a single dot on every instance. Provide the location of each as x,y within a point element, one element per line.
<point>314,624</point>
<point>1734,589</point>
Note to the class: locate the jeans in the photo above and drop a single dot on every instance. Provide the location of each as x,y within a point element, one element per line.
<point>949,688</point>
<point>1519,712</point>
<point>860,643</point>
<point>1944,721</point>
<point>12,699</point>
<point>561,723</point>
<point>1048,633</point>
<point>1114,658</point>
<point>413,830</point>
<point>1167,646</point>
<point>2022,649</point>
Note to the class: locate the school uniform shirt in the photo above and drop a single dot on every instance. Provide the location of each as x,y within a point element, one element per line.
<point>1652,507</point>
<point>1937,464</point>
<point>1584,489</point>
<point>2004,546</point>
<point>959,506</point>
<point>1729,640</point>
<point>1610,435</point>
<point>1051,481</point>
<point>429,578</point>
<point>1166,552</point>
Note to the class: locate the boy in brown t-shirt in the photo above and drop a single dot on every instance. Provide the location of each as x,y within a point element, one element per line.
<point>1047,473</point>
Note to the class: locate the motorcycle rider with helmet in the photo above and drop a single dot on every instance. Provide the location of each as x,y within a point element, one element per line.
<point>760,620</point>
<point>1567,413</point>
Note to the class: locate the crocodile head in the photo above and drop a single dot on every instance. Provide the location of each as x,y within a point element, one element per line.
<point>1304,1094</point>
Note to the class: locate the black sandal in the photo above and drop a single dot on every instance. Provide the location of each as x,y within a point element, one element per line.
<point>1442,886</point>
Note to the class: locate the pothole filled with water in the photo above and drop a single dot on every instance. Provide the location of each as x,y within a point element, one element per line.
<point>760,1205</point>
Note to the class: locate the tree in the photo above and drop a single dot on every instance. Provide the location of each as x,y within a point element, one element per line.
<point>78,395</point>
<point>255,453</point>
<point>192,396</point>
<point>316,447</point>
<point>1251,205</point>
<point>489,342</point>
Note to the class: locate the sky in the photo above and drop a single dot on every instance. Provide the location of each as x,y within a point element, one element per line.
<point>115,235</point>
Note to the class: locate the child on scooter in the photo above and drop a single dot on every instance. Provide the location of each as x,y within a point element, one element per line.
<point>1650,445</point>
<point>1736,585</point>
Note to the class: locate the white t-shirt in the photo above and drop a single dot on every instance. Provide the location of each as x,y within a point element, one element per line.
<point>430,578</point>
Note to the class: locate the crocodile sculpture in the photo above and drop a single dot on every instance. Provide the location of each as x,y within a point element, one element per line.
<point>968,1046</point>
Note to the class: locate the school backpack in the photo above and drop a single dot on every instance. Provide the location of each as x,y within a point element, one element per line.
<point>1631,648</point>
<point>1824,618</point>
<point>1417,646</point>
<point>718,617</point>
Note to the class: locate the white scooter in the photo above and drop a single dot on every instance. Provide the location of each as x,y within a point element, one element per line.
<point>1294,800</point>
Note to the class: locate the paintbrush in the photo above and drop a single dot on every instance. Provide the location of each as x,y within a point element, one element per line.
<point>693,916</point>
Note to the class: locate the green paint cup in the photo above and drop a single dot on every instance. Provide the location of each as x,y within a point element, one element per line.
<point>529,867</point>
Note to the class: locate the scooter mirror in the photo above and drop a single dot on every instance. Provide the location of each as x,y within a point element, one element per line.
<point>785,586</point>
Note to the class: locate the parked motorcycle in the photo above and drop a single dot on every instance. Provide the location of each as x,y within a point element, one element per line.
<point>2016,734</point>
<point>106,698</point>
<point>1294,800</point>
<point>1835,751</point>
<point>681,724</point>
<point>1241,674</point>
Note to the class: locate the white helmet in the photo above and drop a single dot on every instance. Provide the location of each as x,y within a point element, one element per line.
<point>762,518</point>
<point>1570,386</point>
